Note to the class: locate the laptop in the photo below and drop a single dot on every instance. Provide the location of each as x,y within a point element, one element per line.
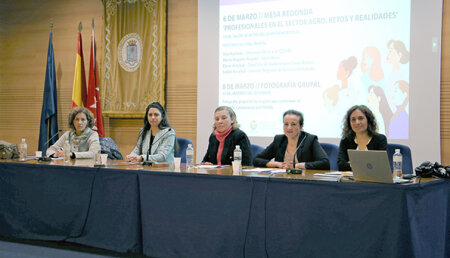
<point>372,166</point>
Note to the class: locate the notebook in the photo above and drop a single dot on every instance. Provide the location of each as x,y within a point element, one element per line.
<point>372,166</point>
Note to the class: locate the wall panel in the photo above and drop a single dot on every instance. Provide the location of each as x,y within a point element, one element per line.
<point>24,36</point>
<point>445,86</point>
<point>24,32</point>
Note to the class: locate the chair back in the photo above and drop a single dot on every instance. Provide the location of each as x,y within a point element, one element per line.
<point>332,150</point>
<point>182,144</point>
<point>255,150</point>
<point>109,146</point>
<point>407,166</point>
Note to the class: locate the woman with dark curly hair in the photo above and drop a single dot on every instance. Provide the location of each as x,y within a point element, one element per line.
<point>84,142</point>
<point>360,133</point>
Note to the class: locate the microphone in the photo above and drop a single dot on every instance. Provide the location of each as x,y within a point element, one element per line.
<point>51,138</point>
<point>295,170</point>
<point>46,147</point>
<point>148,162</point>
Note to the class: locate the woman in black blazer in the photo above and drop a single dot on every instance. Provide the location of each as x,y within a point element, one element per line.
<point>359,133</point>
<point>225,137</point>
<point>306,148</point>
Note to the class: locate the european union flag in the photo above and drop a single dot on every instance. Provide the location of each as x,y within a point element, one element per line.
<point>49,117</point>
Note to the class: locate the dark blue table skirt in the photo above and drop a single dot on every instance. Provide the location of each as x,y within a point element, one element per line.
<point>167,214</point>
<point>194,215</point>
<point>321,219</point>
<point>114,219</point>
<point>44,202</point>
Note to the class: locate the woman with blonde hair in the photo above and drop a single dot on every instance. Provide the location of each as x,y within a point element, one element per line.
<point>224,139</point>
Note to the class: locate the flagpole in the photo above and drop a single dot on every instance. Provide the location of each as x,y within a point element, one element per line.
<point>79,82</point>
<point>48,129</point>
<point>93,41</point>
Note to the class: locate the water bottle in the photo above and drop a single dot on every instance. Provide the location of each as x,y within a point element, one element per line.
<point>237,155</point>
<point>190,156</point>
<point>23,150</point>
<point>397,163</point>
<point>66,150</point>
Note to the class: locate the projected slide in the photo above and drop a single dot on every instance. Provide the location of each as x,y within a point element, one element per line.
<point>319,57</point>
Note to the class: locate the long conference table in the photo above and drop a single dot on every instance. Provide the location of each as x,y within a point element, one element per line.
<point>165,212</point>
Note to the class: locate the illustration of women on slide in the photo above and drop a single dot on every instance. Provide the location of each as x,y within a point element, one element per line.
<point>330,100</point>
<point>347,93</point>
<point>338,98</point>
<point>399,126</point>
<point>345,69</point>
<point>371,68</point>
<point>337,93</point>
<point>397,89</point>
<point>397,56</point>
<point>378,103</point>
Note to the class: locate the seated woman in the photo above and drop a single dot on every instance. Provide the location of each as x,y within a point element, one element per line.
<point>157,139</point>
<point>306,148</point>
<point>225,137</point>
<point>84,142</point>
<point>360,133</point>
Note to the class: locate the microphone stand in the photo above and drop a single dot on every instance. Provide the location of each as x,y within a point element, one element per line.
<point>44,158</point>
<point>148,162</point>
<point>296,170</point>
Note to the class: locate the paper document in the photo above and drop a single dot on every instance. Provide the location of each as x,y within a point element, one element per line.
<point>210,166</point>
<point>334,174</point>
<point>271,170</point>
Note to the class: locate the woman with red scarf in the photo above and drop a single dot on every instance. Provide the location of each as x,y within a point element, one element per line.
<point>224,139</point>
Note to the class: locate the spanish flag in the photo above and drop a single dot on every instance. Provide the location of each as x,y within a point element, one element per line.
<point>79,80</point>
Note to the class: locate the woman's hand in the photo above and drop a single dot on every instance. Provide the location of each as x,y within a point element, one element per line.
<point>59,153</point>
<point>301,165</point>
<point>207,163</point>
<point>274,164</point>
<point>286,165</point>
<point>132,158</point>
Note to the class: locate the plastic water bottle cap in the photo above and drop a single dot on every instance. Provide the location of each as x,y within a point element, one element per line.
<point>397,150</point>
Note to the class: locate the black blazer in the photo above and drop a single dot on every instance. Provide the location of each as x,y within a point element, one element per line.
<point>309,152</point>
<point>378,142</point>
<point>236,137</point>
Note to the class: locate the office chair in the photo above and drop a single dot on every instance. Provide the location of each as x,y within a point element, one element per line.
<point>407,166</point>
<point>183,144</point>
<point>255,150</point>
<point>332,151</point>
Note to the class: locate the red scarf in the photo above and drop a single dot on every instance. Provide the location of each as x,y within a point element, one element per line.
<point>221,136</point>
